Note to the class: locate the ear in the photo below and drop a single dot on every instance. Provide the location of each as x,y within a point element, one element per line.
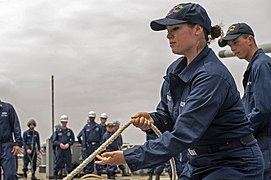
<point>250,40</point>
<point>198,29</point>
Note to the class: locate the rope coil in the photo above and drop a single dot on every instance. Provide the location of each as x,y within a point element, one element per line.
<point>109,141</point>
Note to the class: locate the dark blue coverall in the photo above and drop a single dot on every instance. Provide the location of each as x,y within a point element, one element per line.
<point>91,139</point>
<point>31,139</point>
<point>9,128</point>
<point>201,110</point>
<point>114,146</point>
<point>257,102</point>
<point>63,156</point>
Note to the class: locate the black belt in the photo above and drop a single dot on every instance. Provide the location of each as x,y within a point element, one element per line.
<point>265,132</point>
<point>221,147</point>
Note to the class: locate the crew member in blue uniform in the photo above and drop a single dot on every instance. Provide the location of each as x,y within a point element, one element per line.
<point>119,139</point>
<point>31,139</point>
<point>91,140</point>
<point>257,84</point>
<point>11,140</point>
<point>110,170</point>
<point>63,139</point>
<point>200,108</point>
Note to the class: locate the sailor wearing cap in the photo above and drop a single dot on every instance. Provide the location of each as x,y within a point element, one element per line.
<point>114,146</point>
<point>119,139</point>
<point>200,108</point>
<point>256,83</point>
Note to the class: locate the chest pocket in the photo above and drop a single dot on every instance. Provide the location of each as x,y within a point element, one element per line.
<point>29,138</point>
<point>94,134</point>
<point>68,134</point>
<point>3,117</point>
<point>177,100</point>
<point>59,136</point>
<point>65,137</point>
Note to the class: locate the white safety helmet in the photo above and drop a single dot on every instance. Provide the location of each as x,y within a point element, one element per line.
<point>104,115</point>
<point>63,118</point>
<point>91,114</point>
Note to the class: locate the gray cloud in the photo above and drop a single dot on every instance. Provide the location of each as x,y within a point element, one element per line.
<point>102,53</point>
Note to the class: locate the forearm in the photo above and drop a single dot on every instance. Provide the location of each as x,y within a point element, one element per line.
<point>153,152</point>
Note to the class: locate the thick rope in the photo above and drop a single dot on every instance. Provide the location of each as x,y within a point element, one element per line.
<point>109,141</point>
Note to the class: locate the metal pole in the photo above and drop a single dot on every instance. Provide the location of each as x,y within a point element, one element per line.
<point>49,159</point>
<point>53,111</point>
<point>228,53</point>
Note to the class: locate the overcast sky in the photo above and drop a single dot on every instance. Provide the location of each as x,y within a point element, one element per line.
<point>102,53</point>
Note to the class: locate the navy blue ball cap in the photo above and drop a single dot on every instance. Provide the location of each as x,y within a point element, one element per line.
<point>183,13</point>
<point>234,31</point>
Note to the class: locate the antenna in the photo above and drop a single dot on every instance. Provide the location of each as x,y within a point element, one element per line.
<point>53,102</point>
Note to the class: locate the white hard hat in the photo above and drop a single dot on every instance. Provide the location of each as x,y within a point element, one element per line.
<point>104,115</point>
<point>91,114</point>
<point>63,118</point>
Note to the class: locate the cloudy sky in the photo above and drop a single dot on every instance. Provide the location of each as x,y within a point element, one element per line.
<point>102,53</point>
